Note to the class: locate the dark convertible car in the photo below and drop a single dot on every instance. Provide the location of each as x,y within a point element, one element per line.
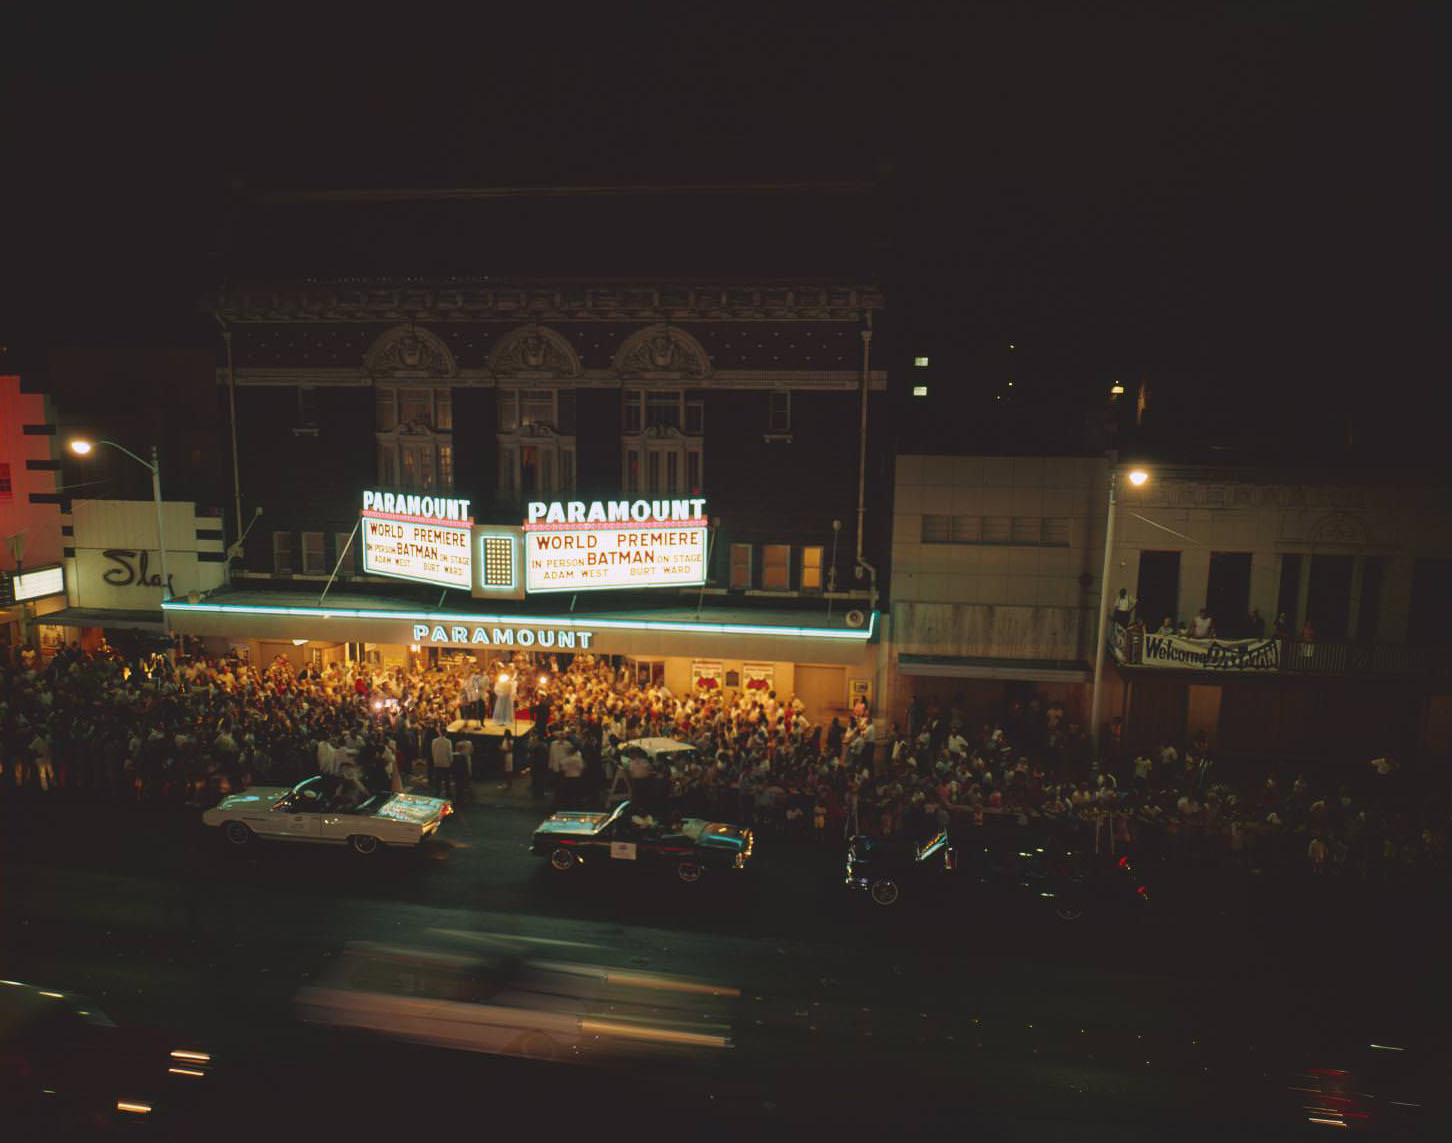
<point>631,836</point>
<point>1034,865</point>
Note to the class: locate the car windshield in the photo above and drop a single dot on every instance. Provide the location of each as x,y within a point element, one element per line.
<point>326,792</point>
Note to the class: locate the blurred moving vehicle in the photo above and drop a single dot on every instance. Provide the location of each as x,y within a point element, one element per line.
<point>328,810</point>
<point>631,836</point>
<point>1030,864</point>
<point>67,1071</point>
<point>505,1004</point>
<point>1400,1089</point>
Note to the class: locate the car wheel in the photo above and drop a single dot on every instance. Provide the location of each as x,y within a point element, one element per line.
<point>885,892</point>
<point>689,872</point>
<point>563,860</point>
<point>237,833</point>
<point>364,843</point>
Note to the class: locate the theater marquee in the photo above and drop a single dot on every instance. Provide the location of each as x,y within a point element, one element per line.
<point>614,544</point>
<point>424,538</point>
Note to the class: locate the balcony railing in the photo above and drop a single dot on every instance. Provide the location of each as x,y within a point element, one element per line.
<point>1284,656</point>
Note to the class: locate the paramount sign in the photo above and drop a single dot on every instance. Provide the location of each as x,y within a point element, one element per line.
<point>470,635</point>
<point>575,545</point>
<point>1210,655</point>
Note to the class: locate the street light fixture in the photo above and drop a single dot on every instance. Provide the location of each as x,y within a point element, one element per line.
<point>83,447</point>
<point>1137,477</point>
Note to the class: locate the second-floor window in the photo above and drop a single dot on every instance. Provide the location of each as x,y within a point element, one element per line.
<point>663,409</point>
<point>536,442</point>
<point>314,559</point>
<point>284,558</point>
<point>414,428</point>
<point>413,407</point>
<point>662,446</point>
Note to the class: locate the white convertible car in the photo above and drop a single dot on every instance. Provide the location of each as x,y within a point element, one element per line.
<point>320,809</point>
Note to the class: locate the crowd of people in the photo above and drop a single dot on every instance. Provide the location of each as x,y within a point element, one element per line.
<point>188,732</point>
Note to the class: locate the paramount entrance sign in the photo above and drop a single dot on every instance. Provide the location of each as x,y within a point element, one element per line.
<point>461,635</point>
<point>609,544</point>
<point>616,511</point>
<point>417,537</point>
<point>1211,654</point>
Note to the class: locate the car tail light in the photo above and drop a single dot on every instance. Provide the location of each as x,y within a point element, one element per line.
<point>1143,892</point>
<point>448,809</point>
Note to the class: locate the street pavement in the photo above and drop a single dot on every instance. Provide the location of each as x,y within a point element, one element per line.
<point>1184,1024</point>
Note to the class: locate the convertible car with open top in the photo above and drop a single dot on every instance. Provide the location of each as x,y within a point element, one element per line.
<point>630,836</point>
<point>328,810</point>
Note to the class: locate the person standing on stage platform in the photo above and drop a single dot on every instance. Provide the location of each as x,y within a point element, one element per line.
<point>504,691</point>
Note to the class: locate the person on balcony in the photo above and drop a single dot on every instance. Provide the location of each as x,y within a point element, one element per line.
<point>1308,632</point>
<point>1202,626</point>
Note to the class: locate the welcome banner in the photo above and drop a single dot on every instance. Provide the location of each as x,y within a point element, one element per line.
<point>1210,654</point>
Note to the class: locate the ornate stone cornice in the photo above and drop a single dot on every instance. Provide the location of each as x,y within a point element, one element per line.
<point>408,351</point>
<point>534,352</point>
<point>466,300</point>
<point>662,351</point>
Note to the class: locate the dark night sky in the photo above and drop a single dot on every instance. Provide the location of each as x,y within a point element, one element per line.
<point>1242,203</point>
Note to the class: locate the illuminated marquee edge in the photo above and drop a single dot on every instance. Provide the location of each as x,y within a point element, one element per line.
<point>532,620</point>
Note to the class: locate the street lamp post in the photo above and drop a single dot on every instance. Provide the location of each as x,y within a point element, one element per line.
<point>1136,477</point>
<point>86,447</point>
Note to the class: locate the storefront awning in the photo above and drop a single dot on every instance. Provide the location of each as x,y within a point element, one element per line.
<point>985,667</point>
<point>103,617</point>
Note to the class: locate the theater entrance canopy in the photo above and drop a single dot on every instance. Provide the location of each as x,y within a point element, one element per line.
<point>735,633</point>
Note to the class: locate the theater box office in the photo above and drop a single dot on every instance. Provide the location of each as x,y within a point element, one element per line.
<point>817,657</point>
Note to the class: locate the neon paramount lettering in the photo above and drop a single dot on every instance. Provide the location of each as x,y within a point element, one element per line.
<point>415,504</point>
<point>457,633</point>
<point>614,511</point>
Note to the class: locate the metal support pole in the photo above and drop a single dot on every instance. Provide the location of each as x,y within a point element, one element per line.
<point>1096,700</point>
<point>862,440</point>
<point>232,418</point>
<point>155,467</point>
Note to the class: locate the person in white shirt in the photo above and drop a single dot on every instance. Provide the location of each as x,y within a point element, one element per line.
<point>1202,626</point>
<point>957,744</point>
<point>327,756</point>
<point>464,768</point>
<point>441,754</point>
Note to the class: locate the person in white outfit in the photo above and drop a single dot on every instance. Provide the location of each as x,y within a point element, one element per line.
<point>504,690</point>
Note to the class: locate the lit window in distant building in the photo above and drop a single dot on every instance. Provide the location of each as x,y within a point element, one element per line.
<point>811,569</point>
<point>776,572</point>
<point>920,390</point>
<point>920,362</point>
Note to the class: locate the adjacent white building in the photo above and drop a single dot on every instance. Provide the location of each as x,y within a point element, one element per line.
<point>996,566</point>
